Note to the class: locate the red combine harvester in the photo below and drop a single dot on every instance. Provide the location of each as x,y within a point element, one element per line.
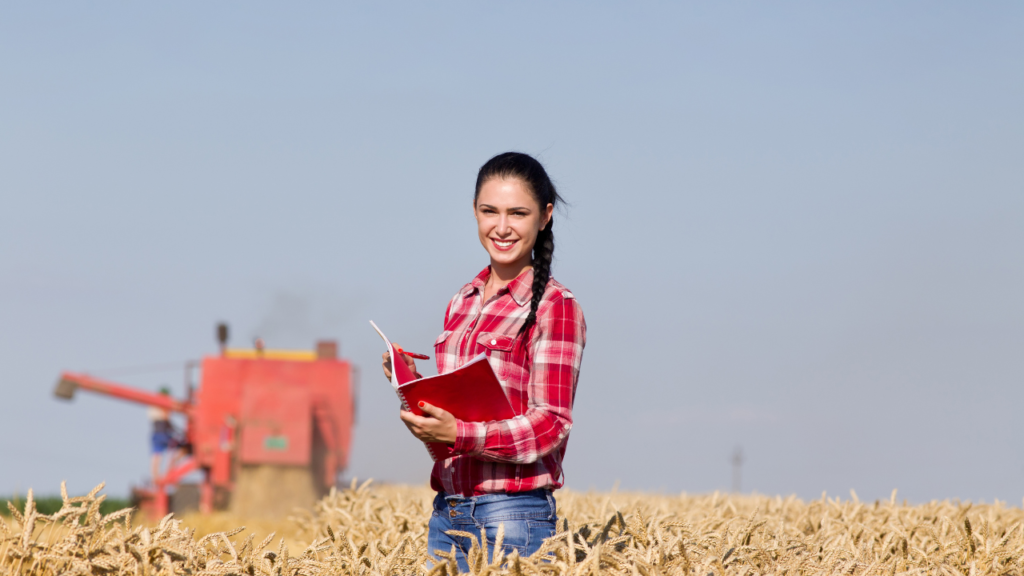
<point>268,429</point>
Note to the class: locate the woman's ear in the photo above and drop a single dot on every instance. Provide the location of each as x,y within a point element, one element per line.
<point>547,215</point>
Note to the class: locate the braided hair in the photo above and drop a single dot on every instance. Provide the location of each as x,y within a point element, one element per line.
<point>516,165</point>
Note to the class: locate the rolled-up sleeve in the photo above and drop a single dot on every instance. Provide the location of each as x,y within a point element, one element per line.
<point>556,352</point>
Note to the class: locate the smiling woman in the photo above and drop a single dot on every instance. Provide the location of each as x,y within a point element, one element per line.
<point>532,330</point>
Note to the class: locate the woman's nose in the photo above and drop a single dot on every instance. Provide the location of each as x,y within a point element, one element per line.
<point>503,227</point>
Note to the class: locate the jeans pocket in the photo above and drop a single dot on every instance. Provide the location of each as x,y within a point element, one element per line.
<point>516,535</point>
<point>540,530</point>
<point>523,535</point>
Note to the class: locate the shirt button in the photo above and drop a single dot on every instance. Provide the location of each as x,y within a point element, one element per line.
<point>494,342</point>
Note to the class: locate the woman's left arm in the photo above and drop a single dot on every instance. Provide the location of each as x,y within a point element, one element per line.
<point>556,352</point>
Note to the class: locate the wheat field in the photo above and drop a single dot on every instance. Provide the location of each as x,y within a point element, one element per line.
<point>381,529</point>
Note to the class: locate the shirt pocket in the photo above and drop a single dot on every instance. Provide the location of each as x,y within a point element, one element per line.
<point>442,338</point>
<point>499,352</point>
<point>441,343</point>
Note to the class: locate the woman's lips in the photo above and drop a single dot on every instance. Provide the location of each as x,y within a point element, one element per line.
<point>503,245</point>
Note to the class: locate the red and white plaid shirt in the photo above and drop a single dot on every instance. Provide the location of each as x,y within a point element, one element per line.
<point>525,452</point>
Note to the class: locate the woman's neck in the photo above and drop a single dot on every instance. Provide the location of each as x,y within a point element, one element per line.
<point>501,275</point>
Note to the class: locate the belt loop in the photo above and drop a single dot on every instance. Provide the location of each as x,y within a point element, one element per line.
<point>551,503</point>
<point>472,508</point>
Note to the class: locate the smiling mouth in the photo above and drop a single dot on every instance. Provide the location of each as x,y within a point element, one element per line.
<point>503,245</point>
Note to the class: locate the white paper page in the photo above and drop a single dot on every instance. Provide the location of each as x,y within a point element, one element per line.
<point>391,351</point>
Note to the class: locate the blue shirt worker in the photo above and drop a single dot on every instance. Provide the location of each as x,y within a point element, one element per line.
<point>162,438</point>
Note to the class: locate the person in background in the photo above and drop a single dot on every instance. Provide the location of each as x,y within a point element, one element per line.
<point>532,330</point>
<point>162,438</point>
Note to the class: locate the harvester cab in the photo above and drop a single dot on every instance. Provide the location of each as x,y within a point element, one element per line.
<point>267,430</point>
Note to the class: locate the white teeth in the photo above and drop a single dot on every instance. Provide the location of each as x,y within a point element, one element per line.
<point>504,244</point>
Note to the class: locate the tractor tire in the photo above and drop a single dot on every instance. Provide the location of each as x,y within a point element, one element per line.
<point>271,491</point>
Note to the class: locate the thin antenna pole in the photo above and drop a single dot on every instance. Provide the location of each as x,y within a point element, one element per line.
<point>737,466</point>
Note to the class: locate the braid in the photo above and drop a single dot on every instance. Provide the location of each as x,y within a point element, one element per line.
<point>543,251</point>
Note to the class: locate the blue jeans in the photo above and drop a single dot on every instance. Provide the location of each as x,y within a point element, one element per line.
<point>529,518</point>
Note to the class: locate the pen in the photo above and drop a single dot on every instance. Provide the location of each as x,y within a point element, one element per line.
<point>410,354</point>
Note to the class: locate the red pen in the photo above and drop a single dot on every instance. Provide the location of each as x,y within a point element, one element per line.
<point>410,354</point>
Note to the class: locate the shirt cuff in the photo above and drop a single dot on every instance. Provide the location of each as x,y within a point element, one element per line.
<point>469,437</point>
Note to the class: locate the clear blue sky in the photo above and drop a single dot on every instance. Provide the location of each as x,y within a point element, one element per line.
<point>795,227</point>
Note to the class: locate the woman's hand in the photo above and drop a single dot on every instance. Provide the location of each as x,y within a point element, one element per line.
<point>437,426</point>
<point>387,364</point>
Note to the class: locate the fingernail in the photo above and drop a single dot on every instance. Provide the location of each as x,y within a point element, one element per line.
<point>421,404</point>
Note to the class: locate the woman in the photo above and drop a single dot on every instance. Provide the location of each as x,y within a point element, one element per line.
<point>533,333</point>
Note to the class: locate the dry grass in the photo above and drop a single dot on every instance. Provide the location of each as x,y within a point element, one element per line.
<point>382,530</point>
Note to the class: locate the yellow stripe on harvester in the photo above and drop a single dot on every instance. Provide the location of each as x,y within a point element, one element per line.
<point>295,355</point>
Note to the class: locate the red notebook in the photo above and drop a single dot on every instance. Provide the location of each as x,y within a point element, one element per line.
<point>472,394</point>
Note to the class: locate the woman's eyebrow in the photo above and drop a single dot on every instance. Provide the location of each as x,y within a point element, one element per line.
<point>516,208</point>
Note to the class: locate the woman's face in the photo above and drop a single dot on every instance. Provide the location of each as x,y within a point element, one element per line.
<point>508,220</point>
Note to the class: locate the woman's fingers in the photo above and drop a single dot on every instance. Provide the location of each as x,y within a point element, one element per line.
<point>432,410</point>
<point>415,424</point>
<point>423,428</point>
<point>407,417</point>
<point>437,424</point>
<point>389,369</point>
<point>407,359</point>
<point>386,364</point>
<point>419,421</point>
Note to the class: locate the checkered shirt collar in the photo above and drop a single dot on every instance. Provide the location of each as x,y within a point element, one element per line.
<point>521,287</point>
